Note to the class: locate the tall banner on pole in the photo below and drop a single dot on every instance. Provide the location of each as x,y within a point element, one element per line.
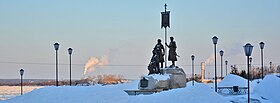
<point>165,23</point>
<point>165,19</point>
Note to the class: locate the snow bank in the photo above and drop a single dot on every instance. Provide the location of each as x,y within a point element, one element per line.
<point>254,83</point>
<point>200,93</point>
<point>190,83</point>
<point>73,94</point>
<point>269,88</point>
<point>233,80</point>
<point>7,92</point>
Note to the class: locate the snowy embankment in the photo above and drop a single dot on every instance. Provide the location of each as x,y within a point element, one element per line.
<point>233,80</point>
<point>264,91</point>
<point>12,91</point>
<point>268,88</point>
<point>267,91</point>
<point>74,94</point>
<point>199,93</point>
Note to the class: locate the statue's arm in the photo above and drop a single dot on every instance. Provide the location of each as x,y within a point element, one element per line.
<point>167,45</point>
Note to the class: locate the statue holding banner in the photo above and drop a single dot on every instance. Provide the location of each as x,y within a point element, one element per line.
<point>172,56</point>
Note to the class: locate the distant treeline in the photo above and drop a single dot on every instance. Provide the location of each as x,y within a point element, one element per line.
<point>99,79</point>
<point>255,72</point>
<point>30,82</point>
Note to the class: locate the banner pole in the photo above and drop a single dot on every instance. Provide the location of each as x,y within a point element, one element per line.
<point>165,51</point>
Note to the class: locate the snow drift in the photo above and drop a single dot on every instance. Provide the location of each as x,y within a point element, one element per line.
<point>267,91</point>
<point>200,93</point>
<point>73,94</point>
<point>269,88</point>
<point>233,80</point>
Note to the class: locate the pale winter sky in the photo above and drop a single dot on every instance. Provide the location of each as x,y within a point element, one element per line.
<point>124,33</point>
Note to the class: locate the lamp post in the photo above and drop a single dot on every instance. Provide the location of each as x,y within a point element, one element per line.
<point>221,54</point>
<point>70,53</point>
<point>21,71</point>
<point>56,46</point>
<point>226,62</point>
<point>270,66</point>
<point>250,59</point>
<point>262,47</point>
<point>248,48</point>
<point>215,40</point>
<point>192,57</point>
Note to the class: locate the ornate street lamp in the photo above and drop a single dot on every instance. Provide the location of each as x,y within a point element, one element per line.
<point>226,62</point>
<point>70,50</point>
<point>192,57</point>
<point>215,41</point>
<point>56,46</point>
<point>248,48</point>
<point>21,71</point>
<point>262,47</point>
<point>221,54</point>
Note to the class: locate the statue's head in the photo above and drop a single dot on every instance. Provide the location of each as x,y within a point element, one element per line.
<point>159,41</point>
<point>171,38</point>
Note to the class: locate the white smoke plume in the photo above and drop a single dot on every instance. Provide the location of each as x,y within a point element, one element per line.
<point>95,62</point>
<point>210,60</point>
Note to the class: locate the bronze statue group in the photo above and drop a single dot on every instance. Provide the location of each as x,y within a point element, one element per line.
<point>158,56</point>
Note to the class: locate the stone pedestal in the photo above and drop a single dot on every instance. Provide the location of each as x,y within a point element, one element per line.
<point>169,78</point>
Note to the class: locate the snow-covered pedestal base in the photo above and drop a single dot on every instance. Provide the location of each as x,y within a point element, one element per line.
<point>169,78</point>
<point>177,77</point>
<point>155,81</point>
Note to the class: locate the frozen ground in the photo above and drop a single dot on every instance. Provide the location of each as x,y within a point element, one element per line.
<point>267,91</point>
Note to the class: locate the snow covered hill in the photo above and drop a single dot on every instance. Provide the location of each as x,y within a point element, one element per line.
<point>74,94</point>
<point>269,88</point>
<point>199,93</point>
<point>233,80</point>
<point>267,91</point>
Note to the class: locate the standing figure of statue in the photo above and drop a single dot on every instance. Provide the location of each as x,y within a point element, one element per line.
<point>172,56</point>
<point>159,47</point>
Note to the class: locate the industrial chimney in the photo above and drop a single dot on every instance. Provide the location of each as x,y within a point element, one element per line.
<point>202,71</point>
